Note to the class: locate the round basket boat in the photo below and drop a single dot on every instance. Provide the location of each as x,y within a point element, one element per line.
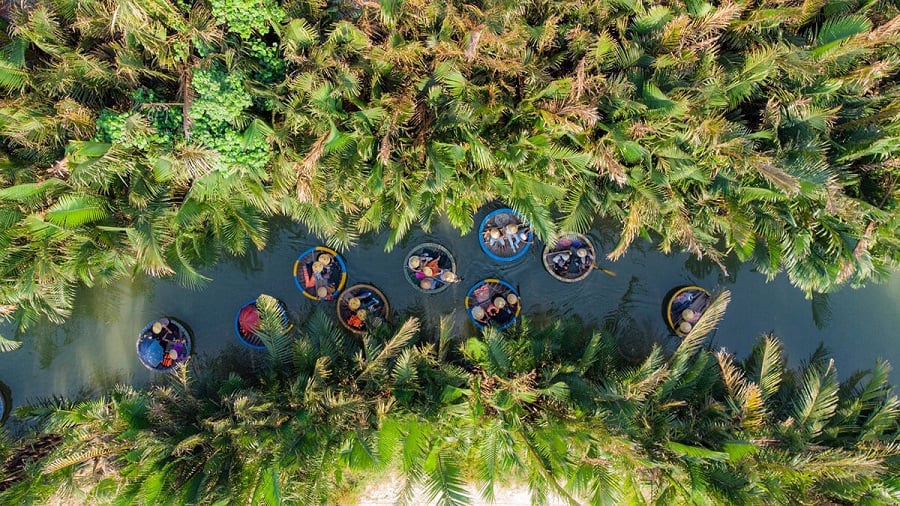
<point>571,259</point>
<point>5,404</point>
<point>504,235</point>
<point>683,306</point>
<point>494,303</point>
<point>163,344</point>
<point>246,322</point>
<point>320,273</point>
<point>361,307</point>
<point>430,268</point>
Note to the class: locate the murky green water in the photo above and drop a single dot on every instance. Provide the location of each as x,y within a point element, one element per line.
<point>97,345</point>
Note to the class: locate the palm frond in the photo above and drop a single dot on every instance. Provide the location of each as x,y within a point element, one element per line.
<point>816,399</point>
<point>72,211</point>
<point>7,345</point>
<point>706,324</point>
<point>766,365</point>
<point>75,459</point>
<point>394,346</point>
<point>273,332</point>
<point>12,78</point>
<point>444,482</point>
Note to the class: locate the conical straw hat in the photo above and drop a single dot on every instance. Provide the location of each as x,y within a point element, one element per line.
<point>495,233</point>
<point>325,258</point>
<point>426,284</point>
<point>318,266</point>
<point>157,327</point>
<point>362,314</point>
<point>512,298</point>
<point>322,292</point>
<point>500,302</point>
<point>448,276</point>
<point>414,262</point>
<point>478,313</point>
<point>685,327</point>
<point>581,252</point>
<point>353,303</point>
<point>512,229</point>
<point>428,271</point>
<point>687,314</point>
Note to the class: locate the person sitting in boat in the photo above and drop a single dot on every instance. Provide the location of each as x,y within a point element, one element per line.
<point>583,260</point>
<point>448,276</point>
<point>479,315</point>
<point>431,269</point>
<point>560,262</point>
<point>493,237</point>
<point>357,319</point>
<point>415,264</point>
<point>515,236</point>
<point>325,292</point>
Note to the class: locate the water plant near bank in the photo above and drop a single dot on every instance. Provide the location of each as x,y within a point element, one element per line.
<point>154,137</point>
<point>554,407</point>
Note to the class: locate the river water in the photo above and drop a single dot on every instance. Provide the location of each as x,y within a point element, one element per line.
<point>96,347</point>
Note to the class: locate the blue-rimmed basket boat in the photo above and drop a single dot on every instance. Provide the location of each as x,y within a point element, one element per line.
<point>494,303</point>
<point>320,273</point>
<point>571,259</point>
<point>361,307</point>
<point>683,306</point>
<point>5,404</point>
<point>430,268</point>
<point>247,320</point>
<point>163,349</point>
<point>504,235</point>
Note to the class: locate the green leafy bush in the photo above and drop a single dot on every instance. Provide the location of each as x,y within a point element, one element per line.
<point>218,112</point>
<point>247,18</point>
<point>143,127</point>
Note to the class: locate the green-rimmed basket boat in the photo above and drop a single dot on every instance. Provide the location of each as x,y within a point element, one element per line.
<point>430,268</point>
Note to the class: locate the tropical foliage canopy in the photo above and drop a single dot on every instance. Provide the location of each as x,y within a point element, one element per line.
<point>554,407</point>
<point>155,136</point>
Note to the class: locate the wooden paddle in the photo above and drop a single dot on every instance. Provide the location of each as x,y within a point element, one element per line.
<point>605,271</point>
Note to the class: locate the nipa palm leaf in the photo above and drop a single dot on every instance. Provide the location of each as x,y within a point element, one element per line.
<point>273,332</point>
<point>392,348</point>
<point>816,399</point>
<point>7,345</point>
<point>766,365</point>
<point>75,459</point>
<point>72,211</point>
